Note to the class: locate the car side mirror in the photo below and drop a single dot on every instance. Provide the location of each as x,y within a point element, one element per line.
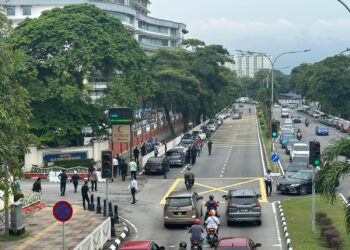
<point>224,196</point>
<point>257,244</point>
<point>199,197</point>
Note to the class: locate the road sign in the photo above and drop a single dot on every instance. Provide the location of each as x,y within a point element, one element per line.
<point>62,211</point>
<point>120,116</point>
<point>275,157</point>
<point>121,133</point>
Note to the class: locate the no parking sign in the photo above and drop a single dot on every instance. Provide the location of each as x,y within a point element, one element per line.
<point>62,211</point>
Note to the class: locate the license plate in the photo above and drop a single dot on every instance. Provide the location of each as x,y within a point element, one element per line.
<point>244,210</point>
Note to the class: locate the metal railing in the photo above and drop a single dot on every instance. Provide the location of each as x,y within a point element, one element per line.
<point>31,199</point>
<point>97,238</point>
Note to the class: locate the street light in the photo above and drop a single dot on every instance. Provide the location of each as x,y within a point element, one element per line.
<point>272,67</point>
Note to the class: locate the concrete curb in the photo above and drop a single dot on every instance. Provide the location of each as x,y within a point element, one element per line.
<point>343,199</point>
<point>115,245</point>
<point>284,225</point>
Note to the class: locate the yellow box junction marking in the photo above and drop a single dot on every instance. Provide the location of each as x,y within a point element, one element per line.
<point>220,189</point>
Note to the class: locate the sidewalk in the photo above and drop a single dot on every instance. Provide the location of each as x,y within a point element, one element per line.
<point>46,233</point>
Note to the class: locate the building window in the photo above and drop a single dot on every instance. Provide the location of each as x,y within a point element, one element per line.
<point>153,28</point>
<point>122,17</point>
<point>27,11</point>
<point>153,41</point>
<point>10,11</point>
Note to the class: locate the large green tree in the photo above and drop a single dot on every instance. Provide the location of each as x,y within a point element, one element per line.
<point>68,47</point>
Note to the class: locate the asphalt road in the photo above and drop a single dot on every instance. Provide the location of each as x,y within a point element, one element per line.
<point>308,134</point>
<point>235,162</point>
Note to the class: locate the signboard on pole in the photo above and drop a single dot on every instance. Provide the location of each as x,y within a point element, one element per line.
<point>120,116</point>
<point>121,133</point>
<point>62,211</point>
<point>275,157</point>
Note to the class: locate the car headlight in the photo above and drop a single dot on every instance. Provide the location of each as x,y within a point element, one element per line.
<point>193,216</point>
<point>166,217</point>
<point>295,185</point>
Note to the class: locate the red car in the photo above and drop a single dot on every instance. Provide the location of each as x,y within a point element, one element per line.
<point>139,245</point>
<point>232,243</point>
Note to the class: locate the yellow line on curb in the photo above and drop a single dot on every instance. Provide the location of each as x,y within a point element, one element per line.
<point>172,188</point>
<point>262,190</point>
<point>25,244</point>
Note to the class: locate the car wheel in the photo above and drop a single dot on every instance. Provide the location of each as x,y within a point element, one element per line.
<point>165,225</point>
<point>303,190</point>
<point>229,223</point>
<point>259,222</point>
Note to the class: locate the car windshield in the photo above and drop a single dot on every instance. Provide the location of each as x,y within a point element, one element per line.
<point>287,136</point>
<point>172,153</point>
<point>187,135</point>
<point>295,168</point>
<point>180,202</point>
<point>301,175</point>
<point>300,159</point>
<point>301,148</point>
<point>243,200</point>
<point>194,133</point>
<point>291,142</point>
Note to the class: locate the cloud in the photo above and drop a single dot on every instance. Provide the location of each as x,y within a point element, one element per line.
<point>222,30</point>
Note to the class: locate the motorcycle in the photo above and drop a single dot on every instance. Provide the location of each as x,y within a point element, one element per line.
<point>212,237</point>
<point>196,245</point>
<point>189,184</point>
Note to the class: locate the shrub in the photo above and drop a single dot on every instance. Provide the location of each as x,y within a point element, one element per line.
<point>325,221</point>
<point>320,216</point>
<point>330,234</point>
<point>336,243</point>
<point>73,163</point>
<point>323,229</point>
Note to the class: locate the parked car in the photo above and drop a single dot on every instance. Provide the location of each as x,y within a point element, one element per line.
<point>298,183</point>
<point>321,131</point>
<point>187,138</point>
<point>176,156</point>
<point>289,145</point>
<point>296,118</point>
<point>154,165</point>
<point>212,127</point>
<point>300,109</point>
<point>139,245</point>
<point>199,134</point>
<point>316,114</point>
<point>181,207</point>
<point>344,126</point>
<point>236,243</point>
<point>299,149</point>
<point>243,205</point>
<point>237,115</point>
<point>294,168</point>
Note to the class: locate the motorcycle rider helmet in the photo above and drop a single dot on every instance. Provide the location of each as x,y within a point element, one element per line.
<point>211,197</point>
<point>197,221</point>
<point>212,212</point>
<point>183,244</point>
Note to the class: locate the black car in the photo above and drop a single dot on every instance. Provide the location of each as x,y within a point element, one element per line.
<point>289,145</point>
<point>154,165</point>
<point>298,183</point>
<point>294,168</point>
<point>296,118</point>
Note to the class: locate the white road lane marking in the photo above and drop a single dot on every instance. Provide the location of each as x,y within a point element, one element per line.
<point>132,225</point>
<point>276,224</point>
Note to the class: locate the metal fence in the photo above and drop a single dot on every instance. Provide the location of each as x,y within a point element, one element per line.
<point>97,238</point>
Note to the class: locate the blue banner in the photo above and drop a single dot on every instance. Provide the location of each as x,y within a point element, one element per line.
<point>65,156</point>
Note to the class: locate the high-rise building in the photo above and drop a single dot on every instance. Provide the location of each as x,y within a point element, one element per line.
<point>150,32</point>
<point>248,63</point>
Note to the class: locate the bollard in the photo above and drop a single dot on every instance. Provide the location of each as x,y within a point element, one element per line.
<point>98,207</point>
<point>110,214</point>
<point>92,205</point>
<point>116,215</point>
<point>112,227</point>
<point>104,208</point>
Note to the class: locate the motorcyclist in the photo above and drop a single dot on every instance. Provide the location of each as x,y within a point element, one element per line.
<point>196,231</point>
<point>189,176</point>
<point>299,136</point>
<point>183,245</point>
<point>212,221</point>
<point>211,204</point>
<point>306,122</point>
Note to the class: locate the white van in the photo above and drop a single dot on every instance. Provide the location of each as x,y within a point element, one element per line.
<point>284,113</point>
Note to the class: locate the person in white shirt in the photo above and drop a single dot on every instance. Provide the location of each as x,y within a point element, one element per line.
<point>133,188</point>
<point>268,182</point>
<point>212,221</point>
<point>115,167</point>
<point>133,169</point>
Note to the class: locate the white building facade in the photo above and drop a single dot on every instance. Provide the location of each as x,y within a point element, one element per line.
<point>150,32</point>
<point>247,64</point>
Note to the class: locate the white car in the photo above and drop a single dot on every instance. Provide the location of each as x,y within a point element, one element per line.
<point>211,127</point>
<point>299,149</point>
<point>200,134</point>
<point>288,127</point>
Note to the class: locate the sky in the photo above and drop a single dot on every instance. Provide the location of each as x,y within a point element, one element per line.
<point>269,26</point>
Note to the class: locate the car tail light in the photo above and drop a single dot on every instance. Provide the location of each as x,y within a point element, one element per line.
<point>211,230</point>
<point>231,205</point>
<point>256,204</point>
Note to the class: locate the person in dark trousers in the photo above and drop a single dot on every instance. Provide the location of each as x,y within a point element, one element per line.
<point>37,185</point>
<point>193,154</point>
<point>93,179</point>
<point>133,189</point>
<point>119,161</point>
<point>210,145</point>
<point>124,169</point>
<point>84,194</point>
<point>143,149</point>
<point>136,153</point>
<point>63,179</point>
<point>268,182</point>
<point>115,167</point>
<point>75,179</point>
<point>91,168</point>
<point>165,166</point>
<point>188,155</point>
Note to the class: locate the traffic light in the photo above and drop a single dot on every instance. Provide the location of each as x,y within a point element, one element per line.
<point>274,129</point>
<point>107,164</point>
<point>315,153</point>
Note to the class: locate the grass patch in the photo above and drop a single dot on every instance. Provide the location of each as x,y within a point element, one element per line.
<point>14,237</point>
<point>297,212</point>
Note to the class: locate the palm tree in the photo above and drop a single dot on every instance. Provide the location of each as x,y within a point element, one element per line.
<point>333,167</point>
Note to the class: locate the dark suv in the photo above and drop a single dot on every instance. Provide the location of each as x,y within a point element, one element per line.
<point>243,205</point>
